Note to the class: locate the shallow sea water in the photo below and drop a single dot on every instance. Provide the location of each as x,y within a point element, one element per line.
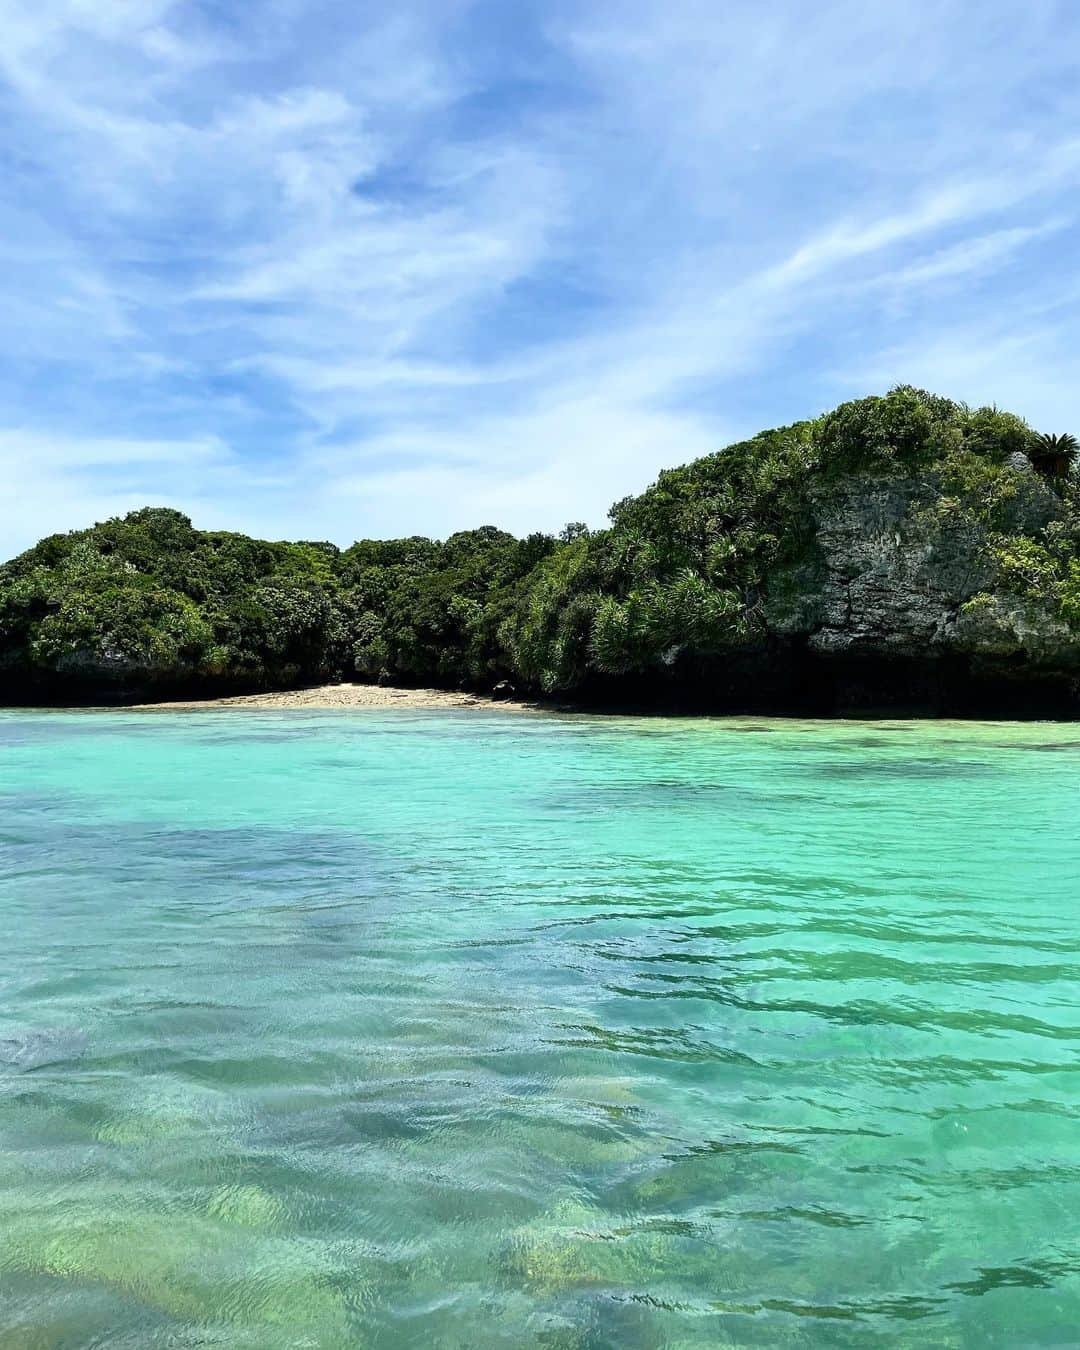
<point>469,1029</point>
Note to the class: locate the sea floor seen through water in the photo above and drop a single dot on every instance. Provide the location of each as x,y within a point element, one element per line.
<point>421,1029</point>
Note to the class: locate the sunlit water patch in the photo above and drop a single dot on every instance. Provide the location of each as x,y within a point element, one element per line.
<point>459,1029</point>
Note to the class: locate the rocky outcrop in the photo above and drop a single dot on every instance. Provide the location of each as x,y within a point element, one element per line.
<point>896,569</point>
<point>1003,632</point>
<point>895,575</point>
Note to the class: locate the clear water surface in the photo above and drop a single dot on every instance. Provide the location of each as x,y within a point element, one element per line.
<point>473,1029</point>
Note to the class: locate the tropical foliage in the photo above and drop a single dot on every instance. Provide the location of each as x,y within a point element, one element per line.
<point>679,582</point>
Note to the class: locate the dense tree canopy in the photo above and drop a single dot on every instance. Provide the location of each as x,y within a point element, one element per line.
<point>688,575</point>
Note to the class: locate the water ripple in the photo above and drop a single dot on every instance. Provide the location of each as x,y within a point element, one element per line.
<point>404,1029</point>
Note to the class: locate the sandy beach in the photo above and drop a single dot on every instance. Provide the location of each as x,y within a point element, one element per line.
<point>348,696</point>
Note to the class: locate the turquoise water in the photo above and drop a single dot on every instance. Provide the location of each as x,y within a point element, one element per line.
<point>473,1029</point>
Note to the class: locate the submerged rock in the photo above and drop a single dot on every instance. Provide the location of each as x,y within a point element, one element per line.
<point>22,1051</point>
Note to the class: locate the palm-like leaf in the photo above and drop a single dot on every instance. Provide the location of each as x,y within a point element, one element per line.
<point>1054,455</point>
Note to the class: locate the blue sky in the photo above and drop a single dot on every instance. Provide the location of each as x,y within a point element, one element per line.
<point>314,269</point>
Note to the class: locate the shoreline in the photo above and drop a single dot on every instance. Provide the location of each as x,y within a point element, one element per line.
<point>343,696</point>
<point>355,696</point>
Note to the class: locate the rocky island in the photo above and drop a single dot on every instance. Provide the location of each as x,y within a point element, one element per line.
<point>902,553</point>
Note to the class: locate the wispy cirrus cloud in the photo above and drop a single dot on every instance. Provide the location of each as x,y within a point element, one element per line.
<point>315,271</point>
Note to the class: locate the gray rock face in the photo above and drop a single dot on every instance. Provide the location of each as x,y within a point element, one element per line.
<point>102,663</point>
<point>998,629</point>
<point>105,666</point>
<point>899,570</point>
<point>896,576</point>
<point>1020,463</point>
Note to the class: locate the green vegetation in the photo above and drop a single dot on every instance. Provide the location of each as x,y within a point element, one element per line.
<point>738,557</point>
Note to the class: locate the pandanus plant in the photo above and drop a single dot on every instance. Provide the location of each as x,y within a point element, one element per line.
<point>1054,455</point>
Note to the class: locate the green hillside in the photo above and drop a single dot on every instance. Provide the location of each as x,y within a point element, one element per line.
<point>904,548</point>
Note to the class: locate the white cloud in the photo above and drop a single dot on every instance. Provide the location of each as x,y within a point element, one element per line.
<point>328,271</point>
<point>90,453</point>
<point>1005,363</point>
<point>61,482</point>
